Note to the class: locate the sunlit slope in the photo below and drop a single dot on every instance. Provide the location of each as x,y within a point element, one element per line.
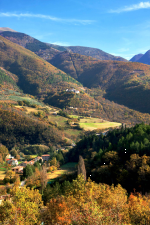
<point>34,74</point>
<point>42,49</point>
<point>8,80</point>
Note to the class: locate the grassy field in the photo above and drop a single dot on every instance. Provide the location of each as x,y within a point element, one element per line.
<point>92,126</point>
<point>88,123</point>
<point>67,168</point>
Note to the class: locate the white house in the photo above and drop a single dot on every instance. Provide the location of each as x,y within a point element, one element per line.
<point>13,162</point>
<point>73,90</point>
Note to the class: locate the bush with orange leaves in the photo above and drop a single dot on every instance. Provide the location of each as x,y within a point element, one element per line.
<point>88,203</point>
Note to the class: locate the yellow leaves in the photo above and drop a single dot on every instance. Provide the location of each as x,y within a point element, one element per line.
<point>24,208</point>
<point>138,209</point>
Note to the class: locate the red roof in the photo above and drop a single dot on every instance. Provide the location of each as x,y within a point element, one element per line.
<point>46,155</point>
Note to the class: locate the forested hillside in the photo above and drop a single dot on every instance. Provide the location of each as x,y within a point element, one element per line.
<point>20,130</point>
<point>42,49</point>
<point>122,156</point>
<point>8,80</point>
<point>125,83</point>
<point>72,63</point>
<point>35,75</point>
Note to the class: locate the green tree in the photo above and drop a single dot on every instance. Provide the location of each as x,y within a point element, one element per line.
<point>27,171</point>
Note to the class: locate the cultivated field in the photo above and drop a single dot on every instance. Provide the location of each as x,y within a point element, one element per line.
<point>67,168</point>
<point>93,126</point>
<point>88,123</point>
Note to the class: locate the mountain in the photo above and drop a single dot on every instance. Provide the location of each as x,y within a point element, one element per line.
<point>2,29</point>
<point>136,57</point>
<point>35,75</point>
<point>145,58</point>
<point>95,53</point>
<point>57,47</point>
<point>142,58</point>
<point>126,83</point>
<point>47,51</point>
<point>40,48</point>
<point>72,63</point>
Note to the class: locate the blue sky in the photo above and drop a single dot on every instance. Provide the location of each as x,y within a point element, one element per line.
<point>120,28</point>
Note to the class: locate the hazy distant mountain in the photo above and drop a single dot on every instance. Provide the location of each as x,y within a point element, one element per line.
<point>145,58</point>
<point>95,53</point>
<point>142,58</point>
<point>136,57</point>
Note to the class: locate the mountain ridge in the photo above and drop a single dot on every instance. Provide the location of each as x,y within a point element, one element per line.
<point>142,58</point>
<point>33,43</point>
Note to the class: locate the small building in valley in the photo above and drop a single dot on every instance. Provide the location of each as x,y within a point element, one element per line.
<point>13,162</point>
<point>17,169</point>
<point>46,157</point>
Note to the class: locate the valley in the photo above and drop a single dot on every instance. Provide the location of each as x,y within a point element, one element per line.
<point>74,133</point>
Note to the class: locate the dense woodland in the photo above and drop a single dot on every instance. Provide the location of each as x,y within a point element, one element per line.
<point>18,130</point>
<point>79,202</point>
<point>122,156</point>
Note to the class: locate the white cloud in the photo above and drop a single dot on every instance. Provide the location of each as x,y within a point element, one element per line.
<point>41,16</point>
<point>141,5</point>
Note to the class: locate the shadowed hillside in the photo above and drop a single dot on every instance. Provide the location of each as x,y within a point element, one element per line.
<point>72,63</point>
<point>142,58</point>
<point>136,58</point>
<point>126,83</point>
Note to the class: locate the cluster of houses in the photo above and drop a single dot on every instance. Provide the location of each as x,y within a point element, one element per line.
<point>18,168</point>
<point>73,90</point>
